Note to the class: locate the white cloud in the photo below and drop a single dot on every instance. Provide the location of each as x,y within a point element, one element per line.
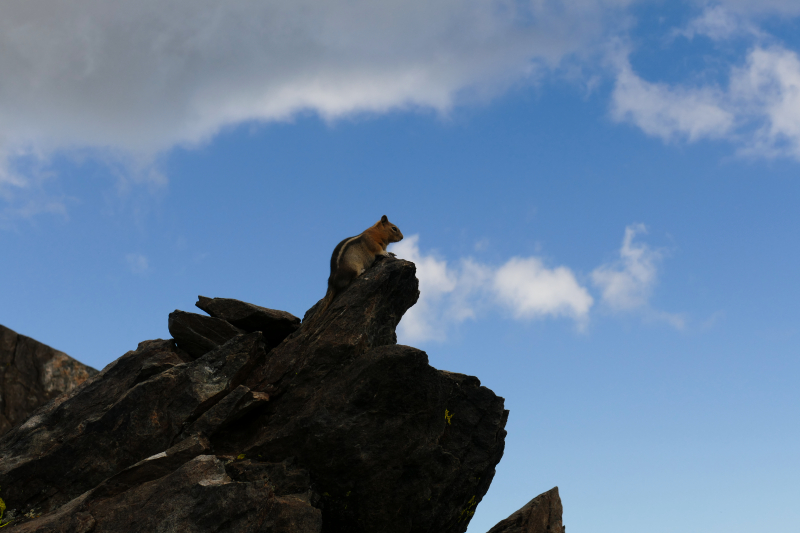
<point>758,7</point>
<point>759,111</point>
<point>426,320</point>
<point>452,294</point>
<point>133,78</point>
<point>627,283</point>
<point>24,195</point>
<point>676,320</point>
<point>125,81</point>
<point>532,290</point>
<point>137,263</point>
<point>719,23</point>
<point>768,87</point>
<point>669,112</point>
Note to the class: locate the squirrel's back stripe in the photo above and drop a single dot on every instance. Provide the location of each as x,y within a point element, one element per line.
<point>343,247</point>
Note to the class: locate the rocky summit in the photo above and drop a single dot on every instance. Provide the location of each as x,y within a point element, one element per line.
<point>248,420</point>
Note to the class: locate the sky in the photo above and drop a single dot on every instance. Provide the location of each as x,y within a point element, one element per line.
<point>600,197</point>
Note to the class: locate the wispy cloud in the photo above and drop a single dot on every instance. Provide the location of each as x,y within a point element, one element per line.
<point>767,88</point>
<point>137,263</point>
<point>759,110</point>
<point>33,207</point>
<point>666,111</point>
<point>23,194</point>
<point>626,284</point>
<point>759,7</point>
<point>719,23</point>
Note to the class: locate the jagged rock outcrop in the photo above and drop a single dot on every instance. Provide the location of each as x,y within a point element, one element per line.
<point>334,429</point>
<point>273,324</point>
<point>31,374</point>
<point>540,515</point>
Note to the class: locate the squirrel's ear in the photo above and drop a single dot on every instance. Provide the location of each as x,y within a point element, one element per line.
<point>384,219</point>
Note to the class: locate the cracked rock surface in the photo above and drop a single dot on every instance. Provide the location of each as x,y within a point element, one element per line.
<point>248,421</point>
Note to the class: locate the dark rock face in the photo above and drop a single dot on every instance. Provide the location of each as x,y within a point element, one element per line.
<point>31,374</point>
<point>540,515</point>
<point>274,325</point>
<point>113,421</point>
<point>197,496</point>
<point>336,429</point>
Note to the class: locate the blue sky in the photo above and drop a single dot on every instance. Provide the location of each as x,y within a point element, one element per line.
<point>601,198</point>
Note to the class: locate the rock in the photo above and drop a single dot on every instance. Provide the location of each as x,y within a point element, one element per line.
<point>285,478</point>
<point>154,467</point>
<point>198,334</point>
<point>392,443</point>
<point>274,325</point>
<point>197,496</point>
<point>113,421</point>
<point>540,515</point>
<point>235,405</point>
<point>32,374</point>
<point>336,429</point>
<point>395,444</point>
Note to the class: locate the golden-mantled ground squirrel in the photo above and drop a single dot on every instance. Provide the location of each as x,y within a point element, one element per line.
<point>354,255</point>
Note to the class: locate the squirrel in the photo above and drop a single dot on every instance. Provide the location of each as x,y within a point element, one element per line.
<point>354,255</point>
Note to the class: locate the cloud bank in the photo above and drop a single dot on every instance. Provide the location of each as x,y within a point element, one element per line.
<point>526,288</point>
<point>142,76</point>
<point>128,80</point>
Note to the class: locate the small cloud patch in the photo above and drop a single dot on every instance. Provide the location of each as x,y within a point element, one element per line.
<point>137,263</point>
<point>628,282</point>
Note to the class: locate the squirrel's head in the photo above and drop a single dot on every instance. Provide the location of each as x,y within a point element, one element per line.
<point>392,231</point>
